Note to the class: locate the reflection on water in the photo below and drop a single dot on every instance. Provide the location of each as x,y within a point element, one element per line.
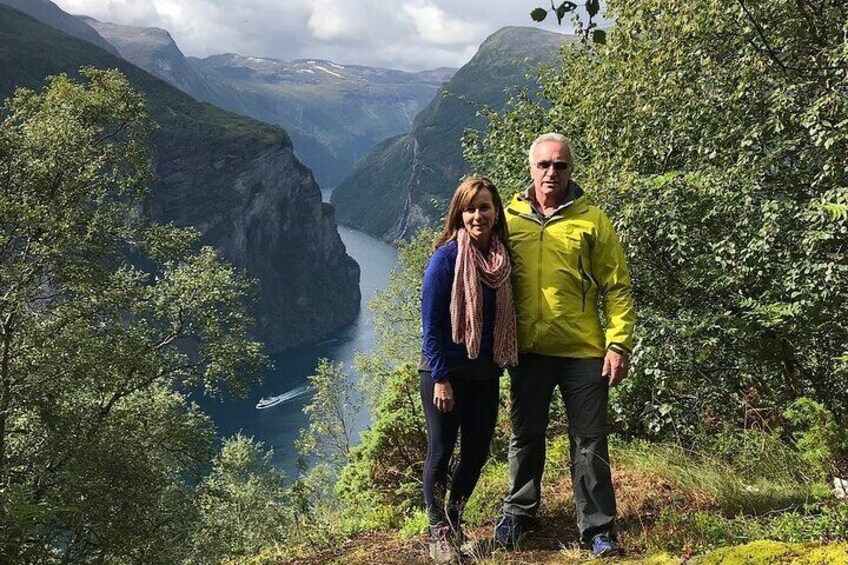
<point>279,426</point>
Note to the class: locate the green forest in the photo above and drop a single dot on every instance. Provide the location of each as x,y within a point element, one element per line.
<point>715,136</point>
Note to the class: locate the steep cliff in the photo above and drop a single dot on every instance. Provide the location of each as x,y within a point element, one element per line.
<point>404,183</point>
<point>235,179</point>
<point>267,218</point>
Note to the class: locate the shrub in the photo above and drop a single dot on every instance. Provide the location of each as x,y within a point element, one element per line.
<point>821,442</point>
<point>484,506</point>
<point>242,504</point>
<point>386,467</point>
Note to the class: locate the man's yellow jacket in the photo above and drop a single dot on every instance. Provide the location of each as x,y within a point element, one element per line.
<point>560,266</point>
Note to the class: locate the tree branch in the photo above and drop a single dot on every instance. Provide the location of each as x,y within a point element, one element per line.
<point>110,135</point>
<point>762,34</point>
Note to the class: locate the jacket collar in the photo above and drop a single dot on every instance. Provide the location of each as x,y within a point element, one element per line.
<point>575,199</point>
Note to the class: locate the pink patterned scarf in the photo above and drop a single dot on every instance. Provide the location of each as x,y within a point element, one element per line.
<point>466,307</point>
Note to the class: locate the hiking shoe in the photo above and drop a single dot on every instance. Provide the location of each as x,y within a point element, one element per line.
<point>603,545</point>
<point>441,548</point>
<point>509,530</point>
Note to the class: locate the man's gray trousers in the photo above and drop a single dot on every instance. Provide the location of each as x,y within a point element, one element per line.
<point>586,396</point>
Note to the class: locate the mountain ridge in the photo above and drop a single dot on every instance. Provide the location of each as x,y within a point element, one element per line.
<point>334,113</point>
<point>154,50</point>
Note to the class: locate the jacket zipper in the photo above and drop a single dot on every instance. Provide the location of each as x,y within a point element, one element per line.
<point>542,225</point>
<point>541,296</point>
<point>584,278</point>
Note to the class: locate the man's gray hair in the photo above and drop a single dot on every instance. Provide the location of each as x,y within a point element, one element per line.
<point>559,138</point>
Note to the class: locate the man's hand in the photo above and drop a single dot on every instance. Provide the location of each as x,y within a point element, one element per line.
<point>615,367</point>
<point>443,396</point>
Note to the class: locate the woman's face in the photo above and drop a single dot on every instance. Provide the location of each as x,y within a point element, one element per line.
<point>479,217</point>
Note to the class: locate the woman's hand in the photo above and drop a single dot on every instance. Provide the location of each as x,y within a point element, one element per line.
<point>443,396</point>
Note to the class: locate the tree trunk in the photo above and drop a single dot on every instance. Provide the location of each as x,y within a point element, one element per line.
<point>5,393</point>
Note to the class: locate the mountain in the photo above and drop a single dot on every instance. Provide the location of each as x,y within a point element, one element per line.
<point>154,50</point>
<point>334,113</point>
<point>235,179</point>
<point>49,13</point>
<point>404,183</point>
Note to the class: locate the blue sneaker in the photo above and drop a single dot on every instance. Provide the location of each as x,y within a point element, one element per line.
<point>509,531</point>
<point>603,545</point>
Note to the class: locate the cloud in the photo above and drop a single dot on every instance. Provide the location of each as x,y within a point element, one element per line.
<point>334,21</point>
<point>437,27</point>
<point>133,12</point>
<point>407,34</point>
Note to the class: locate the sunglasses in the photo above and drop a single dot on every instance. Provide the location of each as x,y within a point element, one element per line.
<point>545,165</point>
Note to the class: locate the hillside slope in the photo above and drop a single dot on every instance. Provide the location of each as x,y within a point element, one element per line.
<point>675,507</point>
<point>235,179</point>
<point>403,184</point>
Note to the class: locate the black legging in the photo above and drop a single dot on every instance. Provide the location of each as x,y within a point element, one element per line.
<point>475,412</point>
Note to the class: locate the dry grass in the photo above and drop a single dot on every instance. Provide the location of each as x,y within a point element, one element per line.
<point>651,483</point>
<point>554,539</point>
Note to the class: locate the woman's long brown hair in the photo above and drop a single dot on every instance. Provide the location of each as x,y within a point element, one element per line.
<point>462,197</point>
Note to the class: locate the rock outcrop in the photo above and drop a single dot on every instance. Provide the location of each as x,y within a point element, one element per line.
<point>277,229</point>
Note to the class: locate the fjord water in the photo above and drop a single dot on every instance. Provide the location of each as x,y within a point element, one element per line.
<point>278,427</point>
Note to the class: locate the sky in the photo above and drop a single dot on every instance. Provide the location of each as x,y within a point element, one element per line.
<point>403,34</point>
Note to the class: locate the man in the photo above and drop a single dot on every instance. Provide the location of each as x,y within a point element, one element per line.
<point>565,255</point>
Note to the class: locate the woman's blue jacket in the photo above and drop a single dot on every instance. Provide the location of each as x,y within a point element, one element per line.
<point>439,353</point>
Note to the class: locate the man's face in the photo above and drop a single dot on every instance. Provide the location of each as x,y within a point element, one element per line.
<point>550,182</point>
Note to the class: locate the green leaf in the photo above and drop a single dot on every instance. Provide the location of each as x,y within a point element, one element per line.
<point>593,7</point>
<point>539,14</point>
<point>599,36</point>
<point>836,211</point>
<point>563,9</point>
<point>560,13</point>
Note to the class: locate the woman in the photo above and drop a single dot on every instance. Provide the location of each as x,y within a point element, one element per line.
<point>469,336</point>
